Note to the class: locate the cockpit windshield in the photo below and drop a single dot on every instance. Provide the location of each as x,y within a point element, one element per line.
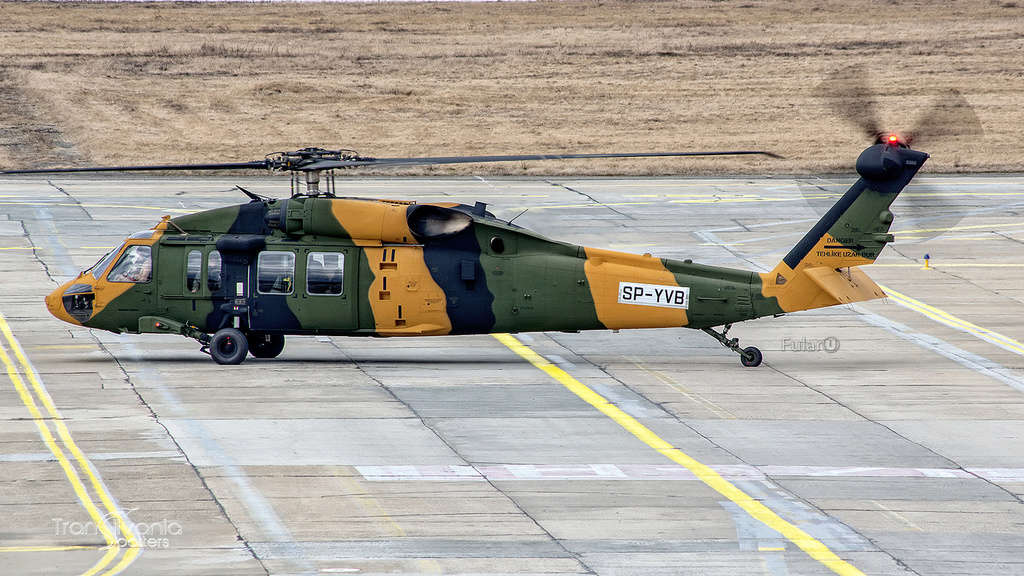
<point>136,265</point>
<point>101,265</point>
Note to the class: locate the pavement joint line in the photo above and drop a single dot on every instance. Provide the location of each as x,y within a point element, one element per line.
<point>943,317</point>
<point>113,548</point>
<point>596,203</point>
<point>814,548</point>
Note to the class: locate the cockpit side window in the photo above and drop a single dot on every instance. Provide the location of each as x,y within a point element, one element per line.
<point>136,265</point>
<point>193,271</point>
<point>213,280</point>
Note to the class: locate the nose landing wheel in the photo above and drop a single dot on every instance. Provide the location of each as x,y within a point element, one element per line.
<point>228,346</point>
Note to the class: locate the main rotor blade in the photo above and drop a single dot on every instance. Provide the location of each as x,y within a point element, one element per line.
<point>310,166</point>
<point>223,166</point>
<point>329,164</point>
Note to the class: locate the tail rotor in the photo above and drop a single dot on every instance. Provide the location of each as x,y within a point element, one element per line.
<point>924,211</point>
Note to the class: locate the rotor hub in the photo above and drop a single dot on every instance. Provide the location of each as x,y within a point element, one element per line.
<point>304,158</point>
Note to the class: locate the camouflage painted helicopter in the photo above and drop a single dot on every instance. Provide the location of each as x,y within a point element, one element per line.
<point>240,278</point>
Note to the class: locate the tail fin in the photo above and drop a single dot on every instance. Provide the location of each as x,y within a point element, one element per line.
<point>850,234</point>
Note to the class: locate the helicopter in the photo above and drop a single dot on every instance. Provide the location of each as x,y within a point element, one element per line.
<point>239,279</point>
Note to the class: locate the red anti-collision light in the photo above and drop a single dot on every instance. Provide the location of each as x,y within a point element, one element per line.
<point>893,139</point>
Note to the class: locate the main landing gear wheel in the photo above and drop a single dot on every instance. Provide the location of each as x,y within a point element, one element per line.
<point>263,345</point>
<point>749,356</point>
<point>228,346</point>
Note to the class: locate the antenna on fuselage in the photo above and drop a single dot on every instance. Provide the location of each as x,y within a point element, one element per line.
<point>517,216</point>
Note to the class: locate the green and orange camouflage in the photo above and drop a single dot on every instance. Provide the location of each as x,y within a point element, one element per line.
<point>350,266</point>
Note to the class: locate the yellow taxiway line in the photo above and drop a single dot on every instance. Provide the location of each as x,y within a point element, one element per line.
<point>943,317</point>
<point>31,399</point>
<point>814,548</point>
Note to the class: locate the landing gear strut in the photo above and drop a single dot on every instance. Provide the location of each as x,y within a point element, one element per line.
<point>749,356</point>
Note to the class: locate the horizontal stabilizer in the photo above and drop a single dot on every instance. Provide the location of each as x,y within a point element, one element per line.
<point>851,285</point>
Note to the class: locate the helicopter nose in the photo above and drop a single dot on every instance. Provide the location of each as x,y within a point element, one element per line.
<point>71,303</point>
<point>53,301</point>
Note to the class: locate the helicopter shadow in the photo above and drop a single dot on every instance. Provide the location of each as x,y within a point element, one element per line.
<point>300,359</point>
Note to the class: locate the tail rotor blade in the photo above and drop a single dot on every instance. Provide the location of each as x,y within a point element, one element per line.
<point>951,117</point>
<point>849,95</point>
<point>924,212</point>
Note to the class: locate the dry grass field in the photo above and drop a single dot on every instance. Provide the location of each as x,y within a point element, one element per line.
<point>135,83</point>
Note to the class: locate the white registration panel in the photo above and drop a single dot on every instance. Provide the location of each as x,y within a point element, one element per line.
<point>654,295</point>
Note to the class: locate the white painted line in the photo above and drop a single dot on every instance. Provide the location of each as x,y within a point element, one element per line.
<point>660,472</point>
<point>977,363</point>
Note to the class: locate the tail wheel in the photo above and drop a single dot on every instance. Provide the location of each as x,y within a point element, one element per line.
<point>750,357</point>
<point>228,346</point>
<point>263,345</point>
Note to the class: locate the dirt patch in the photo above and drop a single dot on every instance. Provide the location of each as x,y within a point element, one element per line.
<point>136,83</point>
<point>28,135</point>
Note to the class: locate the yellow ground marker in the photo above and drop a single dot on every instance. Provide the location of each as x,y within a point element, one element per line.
<point>688,394</point>
<point>951,265</point>
<point>63,346</point>
<point>705,474</point>
<point>955,228</point>
<point>5,549</point>
<point>943,317</point>
<point>90,205</point>
<point>100,521</point>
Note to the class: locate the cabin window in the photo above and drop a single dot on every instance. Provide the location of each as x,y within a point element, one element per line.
<point>274,272</point>
<point>213,281</point>
<point>193,271</point>
<point>136,265</point>
<point>325,273</point>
